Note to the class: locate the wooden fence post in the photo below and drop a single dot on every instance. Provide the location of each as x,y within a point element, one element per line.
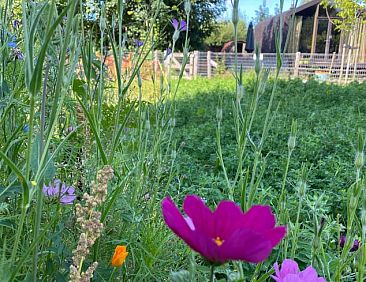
<point>297,64</point>
<point>191,64</point>
<point>196,63</point>
<point>156,61</point>
<point>209,74</point>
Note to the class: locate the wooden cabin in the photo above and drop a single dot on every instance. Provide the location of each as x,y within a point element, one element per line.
<point>312,31</point>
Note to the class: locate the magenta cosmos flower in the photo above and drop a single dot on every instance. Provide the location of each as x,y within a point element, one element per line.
<point>290,272</point>
<point>227,233</point>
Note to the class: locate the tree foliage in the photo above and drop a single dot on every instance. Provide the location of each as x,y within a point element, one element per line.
<point>262,13</point>
<point>349,12</point>
<point>138,13</point>
<point>224,32</point>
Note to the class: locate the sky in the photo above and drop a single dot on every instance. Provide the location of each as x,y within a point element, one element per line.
<point>248,7</point>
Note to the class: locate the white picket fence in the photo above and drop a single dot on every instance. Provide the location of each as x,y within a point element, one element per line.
<point>326,67</point>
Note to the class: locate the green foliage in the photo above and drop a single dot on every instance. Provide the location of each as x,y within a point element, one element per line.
<point>349,12</point>
<point>262,13</point>
<point>224,32</point>
<point>137,14</point>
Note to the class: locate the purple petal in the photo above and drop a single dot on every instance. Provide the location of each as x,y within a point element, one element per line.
<point>182,25</point>
<point>288,266</point>
<point>309,274</point>
<point>70,190</point>
<point>200,214</point>
<point>260,218</point>
<point>275,235</point>
<point>176,222</point>
<point>293,278</point>
<point>175,23</point>
<point>45,189</point>
<point>245,244</point>
<point>67,199</point>
<point>356,245</point>
<point>228,217</point>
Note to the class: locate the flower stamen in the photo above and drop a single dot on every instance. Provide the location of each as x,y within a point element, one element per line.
<point>219,241</point>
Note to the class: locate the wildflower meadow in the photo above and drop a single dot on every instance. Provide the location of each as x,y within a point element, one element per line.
<point>116,167</point>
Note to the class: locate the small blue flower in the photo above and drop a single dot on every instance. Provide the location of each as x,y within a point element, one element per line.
<point>138,43</point>
<point>12,43</point>
<point>26,128</point>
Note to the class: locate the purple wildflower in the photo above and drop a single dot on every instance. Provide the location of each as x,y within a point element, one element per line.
<point>17,54</point>
<point>168,51</point>
<point>290,272</point>
<point>342,242</point>
<point>138,43</point>
<point>66,193</point>
<point>181,25</point>
<point>16,24</point>
<point>70,129</point>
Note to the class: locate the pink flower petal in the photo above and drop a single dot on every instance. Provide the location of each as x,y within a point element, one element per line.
<point>200,214</point>
<point>223,227</point>
<point>275,235</point>
<point>260,218</point>
<point>178,224</point>
<point>245,244</point>
<point>309,274</point>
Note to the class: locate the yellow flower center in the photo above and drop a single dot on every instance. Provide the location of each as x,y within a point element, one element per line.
<point>218,241</point>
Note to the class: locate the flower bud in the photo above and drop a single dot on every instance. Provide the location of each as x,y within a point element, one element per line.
<point>174,154</point>
<point>241,93</point>
<point>176,35</point>
<point>147,124</point>
<point>363,218</point>
<point>291,143</point>
<point>353,203</point>
<point>302,187</point>
<point>139,80</point>
<point>235,18</point>
<point>172,122</point>
<point>187,6</point>
<point>359,160</point>
<point>219,114</point>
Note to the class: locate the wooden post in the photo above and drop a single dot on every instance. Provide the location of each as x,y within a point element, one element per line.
<point>209,74</point>
<point>315,30</point>
<point>331,64</point>
<point>196,63</point>
<point>329,36</point>
<point>342,63</point>
<point>191,64</point>
<point>358,45</point>
<point>297,64</point>
<point>156,61</point>
<point>351,43</point>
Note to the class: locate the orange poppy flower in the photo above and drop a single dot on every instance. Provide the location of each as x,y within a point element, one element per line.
<point>119,256</point>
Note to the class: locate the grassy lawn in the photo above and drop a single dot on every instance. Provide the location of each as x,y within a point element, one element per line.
<point>328,118</point>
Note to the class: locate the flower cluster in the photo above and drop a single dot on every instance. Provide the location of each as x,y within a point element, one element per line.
<point>88,219</point>
<point>61,191</point>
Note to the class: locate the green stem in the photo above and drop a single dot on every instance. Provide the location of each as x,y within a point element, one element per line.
<point>112,274</point>
<point>212,273</point>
